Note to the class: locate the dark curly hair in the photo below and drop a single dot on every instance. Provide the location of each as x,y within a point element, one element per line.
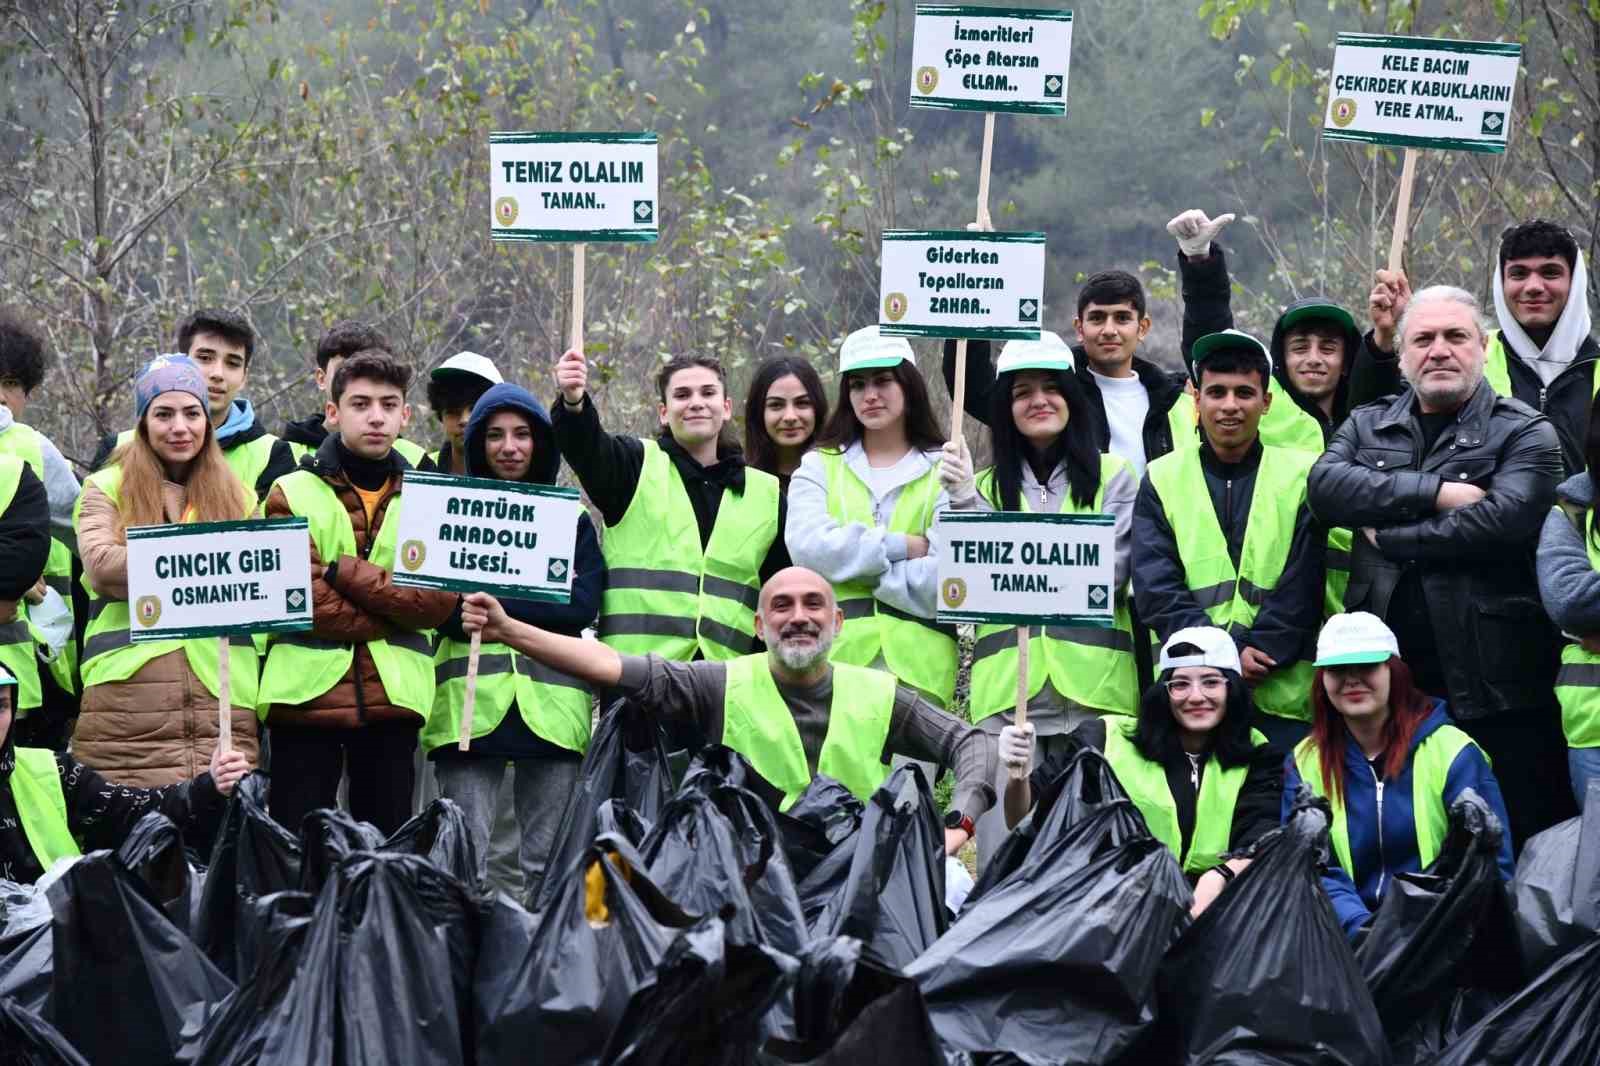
<point>21,349</point>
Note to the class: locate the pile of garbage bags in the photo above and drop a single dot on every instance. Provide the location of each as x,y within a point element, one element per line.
<point>685,921</point>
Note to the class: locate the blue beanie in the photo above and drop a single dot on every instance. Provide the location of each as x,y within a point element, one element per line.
<point>167,373</point>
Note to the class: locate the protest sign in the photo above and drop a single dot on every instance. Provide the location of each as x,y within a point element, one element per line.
<point>1420,92</point>
<point>958,283</point>
<point>572,186</point>
<point>971,58</point>
<point>1027,569</point>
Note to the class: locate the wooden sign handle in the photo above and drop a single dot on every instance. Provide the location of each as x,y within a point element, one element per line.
<point>1402,209</point>
<point>983,170</point>
<point>958,402</point>
<point>1022,676</point>
<point>464,742</point>
<point>224,696</point>
<point>577,298</point>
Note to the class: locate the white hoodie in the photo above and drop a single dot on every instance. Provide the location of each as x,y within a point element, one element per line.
<point>1572,328</point>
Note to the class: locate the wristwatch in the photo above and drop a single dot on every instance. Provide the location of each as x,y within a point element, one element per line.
<point>954,819</point>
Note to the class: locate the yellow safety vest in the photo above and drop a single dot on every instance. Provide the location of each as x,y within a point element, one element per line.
<point>1232,598</point>
<point>42,806</point>
<point>1090,666</point>
<point>663,593</point>
<point>1284,425</point>
<point>302,666</point>
<point>553,704</point>
<point>1578,681</point>
<point>1498,374</point>
<point>23,442</point>
<point>918,651</point>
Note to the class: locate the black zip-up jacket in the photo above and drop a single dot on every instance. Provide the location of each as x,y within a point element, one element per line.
<point>1286,625</point>
<point>1206,309</point>
<point>1496,646</point>
<point>1565,401</point>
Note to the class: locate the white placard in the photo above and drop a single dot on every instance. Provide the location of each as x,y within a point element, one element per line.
<point>573,187</point>
<point>211,579</point>
<point>956,283</point>
<point>1018,568</point>
<point>1422,92</point>
<point>970,58</point>
<point>470,534</point>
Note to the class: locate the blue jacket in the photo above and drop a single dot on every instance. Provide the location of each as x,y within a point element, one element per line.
<point>1355,900</point>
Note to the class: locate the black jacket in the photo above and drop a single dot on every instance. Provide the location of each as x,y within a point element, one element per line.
<point>1496,647</point>
<point>279,462</point>
<point>101,814</point>
<point>1206,309</point>
<point>1286,625</point>
<point>1566,401</point>
<point>24,536</point>
<point>1341,395</point>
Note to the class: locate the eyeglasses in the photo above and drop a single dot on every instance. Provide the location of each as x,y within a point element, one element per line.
<point>1179,688</point>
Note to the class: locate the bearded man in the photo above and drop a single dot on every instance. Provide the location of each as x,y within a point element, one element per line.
<point>788,711</point>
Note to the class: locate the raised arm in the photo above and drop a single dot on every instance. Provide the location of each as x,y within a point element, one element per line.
<point>607,465</point>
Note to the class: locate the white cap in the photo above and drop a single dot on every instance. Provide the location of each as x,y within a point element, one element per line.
<point>468,363</point>
<point>1049,352</point>
<point>1216,650</point>
<point>1357,637</point>
<point>865,349</point>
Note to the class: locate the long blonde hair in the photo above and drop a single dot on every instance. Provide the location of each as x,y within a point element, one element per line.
<point>214,492</point>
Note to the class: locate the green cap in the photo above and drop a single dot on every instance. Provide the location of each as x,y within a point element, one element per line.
<point>1226,340</point>
<point>1322,311</point>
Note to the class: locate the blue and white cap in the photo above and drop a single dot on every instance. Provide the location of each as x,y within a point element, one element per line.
<point>866,349</point>
<point>1049,352</point>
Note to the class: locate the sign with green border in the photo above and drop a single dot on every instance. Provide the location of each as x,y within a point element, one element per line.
<point>213,579</point>
<point>1019,568</point>
<point>959,283</point>
<point>966,57</point>
<point>575,187</point>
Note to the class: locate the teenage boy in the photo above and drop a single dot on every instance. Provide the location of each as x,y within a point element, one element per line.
<point>691,532</point>
<point>221,344</point>
<point>453,389</point>
<point>1251,563</point>
<point>342,340</point>
<point>1541,354</point>
<point>352,694</point>
<point>1133,397</point>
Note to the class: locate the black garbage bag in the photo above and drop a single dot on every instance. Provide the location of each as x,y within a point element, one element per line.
<point>774,895</point>
<point>1060,959</point>
<point>253,857</point>
<point>441,835</point>
<point>1556,890</point>
<point>822,818</point>
<point>1555,1020</point>
<point>705,1004</point>
<point>691,855</point>
<point>1085,785</point>
<point>385,975</point>
<point>626,761</point>
<point>128,985</point>
<point>153,852</point>
<point>28,1040</point>
<point>891,894</point>
<point>27,951</point>
<point>596,943</point>
<point>849,1010</point>
<point>238,1032</point>
<point>1266,975</point>
<point>1443,940</point>
<point>327,838</point>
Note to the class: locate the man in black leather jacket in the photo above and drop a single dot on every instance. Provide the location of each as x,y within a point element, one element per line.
<point>1447,485</point>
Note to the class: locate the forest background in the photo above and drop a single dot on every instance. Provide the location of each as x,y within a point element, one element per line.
<point>306,161</point>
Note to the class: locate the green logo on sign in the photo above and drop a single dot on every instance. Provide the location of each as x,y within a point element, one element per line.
<point>1494,123</point>
<point>1099,596</point>
<point>1053,85</point>
<point>1028,310</point>
<point>644,211</point>
<point>557,570</point>
<point>294,600</point>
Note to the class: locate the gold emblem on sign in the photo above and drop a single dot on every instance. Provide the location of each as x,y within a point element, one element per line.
<point>894,306</point>
<point>505,210</point>
<point>412,554</point>
<point>1344,111</point>
<point>954,591</point>
<point>148,610</point>
<point>927,80</point>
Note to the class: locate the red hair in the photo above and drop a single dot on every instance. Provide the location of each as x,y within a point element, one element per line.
<point>1408,707</point>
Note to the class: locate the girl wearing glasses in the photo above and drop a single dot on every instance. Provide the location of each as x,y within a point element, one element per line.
<point>1388,760</point>
<point>1206,783</point>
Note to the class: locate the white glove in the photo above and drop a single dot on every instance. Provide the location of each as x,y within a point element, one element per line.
<point>51,623</point>
<point>955,473</point>
<point>1194,231</point>
<point>1016,749</point>
<point>957,884</point>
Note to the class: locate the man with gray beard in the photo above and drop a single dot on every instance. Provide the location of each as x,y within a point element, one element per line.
<point>789,711</point>
<point>1447,486</point>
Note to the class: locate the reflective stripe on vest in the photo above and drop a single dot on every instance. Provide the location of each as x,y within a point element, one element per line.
<point>1578,681</point>
<point>663,593</point>
<point>917,650</point>
<point>110,656</point>
<point>1091,666</point>
<point>300,667</point>
<point>1498,374</point>
<point>42,806</point>
<point>757,724</point>
<point>1231,599</point>
<point>554,705</point>
<point>1285,424</point>
<point>1145,782</point>
<point>1430,769</point>
<point>1337,580</point>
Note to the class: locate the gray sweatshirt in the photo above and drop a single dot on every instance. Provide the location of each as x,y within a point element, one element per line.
<point>1568,582</point>
<point>851,551</point>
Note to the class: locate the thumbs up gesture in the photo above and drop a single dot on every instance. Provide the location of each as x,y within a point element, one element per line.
<point>1194,231</point>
